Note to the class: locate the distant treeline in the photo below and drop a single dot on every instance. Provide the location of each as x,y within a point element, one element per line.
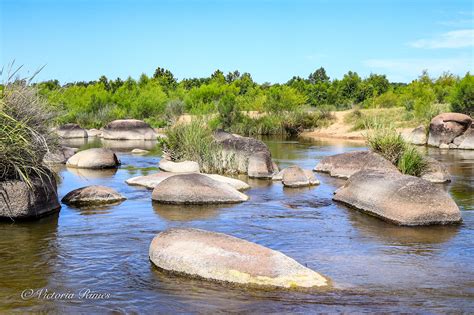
<point>154,99</point>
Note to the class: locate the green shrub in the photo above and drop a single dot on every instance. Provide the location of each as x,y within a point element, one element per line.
<point>195,142</point>
<point>412,162</point>
<point>174,109</point>
<point>25,134</point>
<point>387,142</point>
<point>462,98</point>
<point>390,144</point>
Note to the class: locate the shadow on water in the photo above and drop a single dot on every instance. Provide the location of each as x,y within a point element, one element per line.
<point>92,174</point>
<point>391,234</point>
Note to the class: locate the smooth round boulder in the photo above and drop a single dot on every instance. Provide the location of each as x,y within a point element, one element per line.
<point>59,156</point>
<point>417,136</point>
<point>128,129</point>
<point>466,140</point>
<point>195,189</point>
<point>309,175</point>
<point>71,131</point>
<point>151,181</point>
<point>294,176</point>
<point>95,158</point>
<point>445,127</point>
<point>178,167</point>
<point>435,172</point>
<point>397,198</point>
<point>19,201</point>
<point>345,164</point>
<point>92,196</point>
<point>227,259</point>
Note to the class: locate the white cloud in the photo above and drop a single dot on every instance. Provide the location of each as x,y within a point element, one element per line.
<point>453,39</point>
<point>405,70</point>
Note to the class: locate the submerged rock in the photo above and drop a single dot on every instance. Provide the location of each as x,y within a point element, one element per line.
<point>444,128</point>
<point>195,189</point>
<point>397,198</point>
<point>345,164</point>
<point>251,156</point>
<point>70,131</point>
<point>19,201</point>
<point>151,181</point>
<point>435,172</point>
<point>95,158</point>
<point>220,257</point>
<point>139,151</point>
<point>128,129</point>
<point>178,167</point>
<point>92,195</point>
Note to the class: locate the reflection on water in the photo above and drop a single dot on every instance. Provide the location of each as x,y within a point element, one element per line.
<point>90,173</point>
<point>375,266</point>
<point>187,212</point>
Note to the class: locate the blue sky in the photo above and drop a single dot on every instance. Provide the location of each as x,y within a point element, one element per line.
<point>273,39</point>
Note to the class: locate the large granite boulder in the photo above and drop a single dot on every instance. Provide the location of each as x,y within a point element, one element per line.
<point>417,136</point>
<point>94,133</point>
<point>398,198</point>
<point>95,158</point>
<point>224,258</point>
<point>466,140</point>
<point>71,131</point>
<point>435,172</point>
<point>195,188</point>
<point>59,156</point>
<point>128,129</point>
<point>20,201</point>
<point>252,156</point>
<point>92,196</point>
<point>444,128</point>
<point>151,181</point>
<point>178,167</point>
<point>345,164</point>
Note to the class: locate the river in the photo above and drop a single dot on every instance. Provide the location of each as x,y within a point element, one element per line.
<point>374,266</point>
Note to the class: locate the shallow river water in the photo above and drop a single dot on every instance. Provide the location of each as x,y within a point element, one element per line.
<point>374,266</point>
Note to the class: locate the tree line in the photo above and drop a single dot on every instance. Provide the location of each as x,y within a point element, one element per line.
<point>156,98</point>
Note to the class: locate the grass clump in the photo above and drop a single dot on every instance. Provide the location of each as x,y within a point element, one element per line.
<point>390,144</point>
<point>195,142</point>
<point>25,134</point>
<point>411,162</point>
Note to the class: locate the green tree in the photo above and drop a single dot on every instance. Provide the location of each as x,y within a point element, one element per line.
<point>165,78</point>
<point>318,76</point>
<point>462,97</point>
<point>228,111</point>
<point>379,83</point>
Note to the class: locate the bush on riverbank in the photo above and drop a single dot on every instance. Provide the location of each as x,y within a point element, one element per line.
<point>25,134</point>
<point>390,144</point>
<point>194,141</point>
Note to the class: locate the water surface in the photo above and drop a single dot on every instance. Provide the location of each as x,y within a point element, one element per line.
<point>374,266</point>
